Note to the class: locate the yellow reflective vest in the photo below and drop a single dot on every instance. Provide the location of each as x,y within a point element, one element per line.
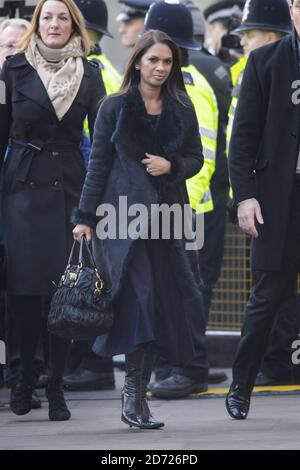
<point>111,78</point>
<point>237,72</point>
<point>205,103</point>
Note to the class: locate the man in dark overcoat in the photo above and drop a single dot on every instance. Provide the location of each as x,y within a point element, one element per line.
<point>264,167</point>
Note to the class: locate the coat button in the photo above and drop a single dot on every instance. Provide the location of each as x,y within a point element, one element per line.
<point>56,183</point>
<point>32,184</point>
<point>293,134</point>
<point>55,154</point>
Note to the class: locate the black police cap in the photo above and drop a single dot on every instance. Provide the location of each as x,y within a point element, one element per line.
<point>129,13</point>
<point>224,10</point>
<point>139,4</point>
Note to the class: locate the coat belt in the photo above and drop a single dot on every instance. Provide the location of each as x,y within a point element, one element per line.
<point>21,167</point>
<point>48,147</point>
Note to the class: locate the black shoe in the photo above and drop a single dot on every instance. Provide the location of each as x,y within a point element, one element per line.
<point>58,410</point>
<point>36,403</point>
<point>21,398</point>
<point>237,402</point>
<point>89,380</point>
<point>216,377</point>
<point>262,380</point>
<point>177,386</point>
<point>162,373</point>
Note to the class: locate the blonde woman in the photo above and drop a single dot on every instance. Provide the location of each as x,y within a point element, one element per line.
<point>50,89</point>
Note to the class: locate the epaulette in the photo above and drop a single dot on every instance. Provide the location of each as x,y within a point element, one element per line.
<point>187,78</point>
<point>97,64</point>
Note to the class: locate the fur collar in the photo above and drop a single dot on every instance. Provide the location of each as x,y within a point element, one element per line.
<point>133,125</point>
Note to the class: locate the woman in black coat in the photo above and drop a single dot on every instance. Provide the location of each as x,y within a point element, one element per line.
<point>50,88</point>
<point>146,145</point>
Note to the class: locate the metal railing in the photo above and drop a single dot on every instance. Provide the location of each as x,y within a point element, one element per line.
<point>232,290</point>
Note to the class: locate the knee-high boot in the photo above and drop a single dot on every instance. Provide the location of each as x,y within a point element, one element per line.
<point>135,410</point>
<point>131,394</point>
<point>148,421</point>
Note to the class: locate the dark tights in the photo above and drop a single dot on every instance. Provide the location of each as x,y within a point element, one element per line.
<point>28,315</point>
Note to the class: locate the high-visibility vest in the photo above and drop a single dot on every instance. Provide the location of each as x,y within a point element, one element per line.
<point>111,78</point>
<point>237,73</point>
<point>206,107</point>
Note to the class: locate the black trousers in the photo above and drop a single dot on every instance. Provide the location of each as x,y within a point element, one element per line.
<point>28,311</point>
<point>271,292</point>
<point>277,362</point>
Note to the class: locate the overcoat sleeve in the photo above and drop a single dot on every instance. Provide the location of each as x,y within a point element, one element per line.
<point>100,163</point>
<point>190,161</point>
<point>5,112</point>
<point>247,133</point>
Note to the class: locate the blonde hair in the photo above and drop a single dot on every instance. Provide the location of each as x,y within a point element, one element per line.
<point>77,20</point>
<point>14,22</point>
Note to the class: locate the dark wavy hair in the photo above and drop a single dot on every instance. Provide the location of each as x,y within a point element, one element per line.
<point>174,85</point>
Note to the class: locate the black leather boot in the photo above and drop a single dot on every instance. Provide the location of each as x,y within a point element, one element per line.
<point>238,401</point>
<point>21,398</point>
<point>148,421</point>
<point>58,410</point>
<point>131,394</point>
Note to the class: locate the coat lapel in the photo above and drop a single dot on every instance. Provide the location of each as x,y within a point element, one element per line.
<point>29,83</point>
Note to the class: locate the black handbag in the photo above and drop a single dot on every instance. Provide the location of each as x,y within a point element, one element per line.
<point>80,307</point>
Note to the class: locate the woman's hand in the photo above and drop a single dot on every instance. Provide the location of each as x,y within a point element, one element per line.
<point>156,166</point>
<point>81,230</point>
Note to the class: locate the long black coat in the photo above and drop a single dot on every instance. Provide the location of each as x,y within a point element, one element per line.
<point>265,144</point>
<point>43,174</point>
<point>122,136</point>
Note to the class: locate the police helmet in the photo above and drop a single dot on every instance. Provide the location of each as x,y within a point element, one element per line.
<point>268,15</point>
<point>95,15</point>
<point>174,19</point>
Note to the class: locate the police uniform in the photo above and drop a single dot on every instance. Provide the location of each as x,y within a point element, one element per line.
<point>267,16</point>
<point>274,254</point>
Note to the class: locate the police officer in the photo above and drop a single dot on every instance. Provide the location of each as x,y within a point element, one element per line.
<point>176,20</point>
<point>211,254</point>
<point>266,21</point>
<point>264,164</point>
<point>93,372</point>
<point>131,20</point>
<point>219,17</point>
<point>96,19</point>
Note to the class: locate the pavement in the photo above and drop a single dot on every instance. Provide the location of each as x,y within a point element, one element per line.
<point>197,423</point>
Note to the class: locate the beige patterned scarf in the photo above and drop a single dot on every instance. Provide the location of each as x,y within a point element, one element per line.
<point>61,70</point>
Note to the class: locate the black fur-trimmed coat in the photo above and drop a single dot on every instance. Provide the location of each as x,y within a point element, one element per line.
<point>123,134</point>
